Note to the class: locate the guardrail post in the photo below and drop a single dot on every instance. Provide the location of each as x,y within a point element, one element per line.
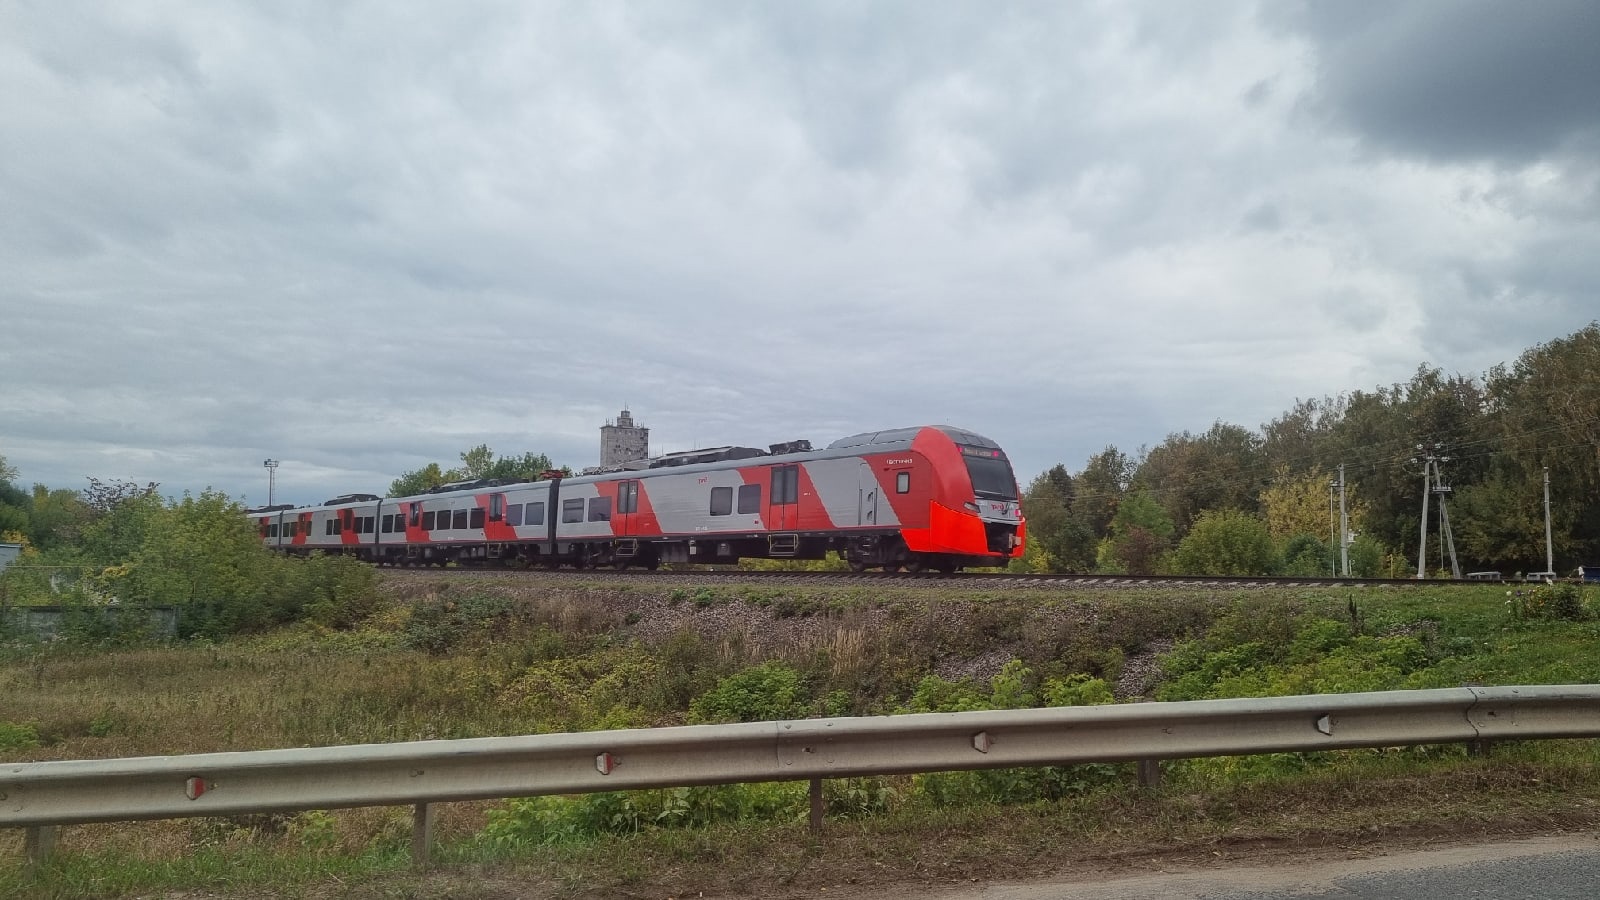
<point>817,805</point>
<point>1150,773</point>
<point>421,835</point>
<point>38,842</point>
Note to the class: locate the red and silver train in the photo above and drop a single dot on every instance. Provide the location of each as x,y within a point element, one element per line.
<point>914,498</point>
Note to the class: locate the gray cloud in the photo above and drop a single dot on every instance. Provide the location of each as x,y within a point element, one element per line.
<point>364,237</point>
<point>1458,79</point>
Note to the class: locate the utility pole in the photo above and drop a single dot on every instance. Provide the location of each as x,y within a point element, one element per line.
<point>1344,530</point>
<point>1422,547</point>
<point>1549,550</point>
<point>272,477</point>
<point>1443,490</point>
<point>1332,537</point>
<point>1433,483</point>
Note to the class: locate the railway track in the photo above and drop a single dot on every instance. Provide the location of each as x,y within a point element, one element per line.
<point>965,579</point>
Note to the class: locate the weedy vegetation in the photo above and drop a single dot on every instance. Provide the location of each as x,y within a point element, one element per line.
<point>422,658</point>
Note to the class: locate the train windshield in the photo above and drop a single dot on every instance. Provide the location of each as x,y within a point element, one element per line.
<point>991,474</point>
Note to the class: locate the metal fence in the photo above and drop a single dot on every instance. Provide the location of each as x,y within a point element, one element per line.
<point>39,796</point>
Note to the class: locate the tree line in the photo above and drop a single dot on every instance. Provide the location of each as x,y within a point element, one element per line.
<point>1230,500</point>
<point>1234,500</point>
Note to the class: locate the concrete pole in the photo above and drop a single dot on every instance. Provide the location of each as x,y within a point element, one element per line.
<point>1344,530</point>
<point>1333,563</point>
<point>1549,550</point>
<point>1422,548</point>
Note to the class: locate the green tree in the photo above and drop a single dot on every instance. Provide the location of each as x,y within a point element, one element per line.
<point>1297,504</point>
<point>1140,533</point>
<point>478,462</point>
<point>1059,539</point>
<point>420,481</point>
<point>1545,414</point>
<point>58,517</point>
<point>1189,473</point>
<point>1099,489</point>
<point>527,467</point>
<point>1226,542</point>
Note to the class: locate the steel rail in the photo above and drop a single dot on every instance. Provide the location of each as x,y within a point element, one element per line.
<point>974,579</point>
<point>35,795</point>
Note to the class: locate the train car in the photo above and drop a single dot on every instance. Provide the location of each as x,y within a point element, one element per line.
<point>912,498</point>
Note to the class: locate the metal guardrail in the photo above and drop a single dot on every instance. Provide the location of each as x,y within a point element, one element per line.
<point>40,795</point>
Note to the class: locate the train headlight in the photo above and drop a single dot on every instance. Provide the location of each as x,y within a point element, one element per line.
<point>971,506</point>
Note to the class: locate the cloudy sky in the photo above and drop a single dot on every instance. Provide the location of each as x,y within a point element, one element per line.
<point>359,237</point>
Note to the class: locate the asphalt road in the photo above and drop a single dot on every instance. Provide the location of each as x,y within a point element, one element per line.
<point>1565,867</point>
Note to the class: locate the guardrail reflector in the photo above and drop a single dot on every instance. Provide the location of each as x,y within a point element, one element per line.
<point>1325,725</point>
<point>981,742</point>
<point>194,787</point>
<point>604,763</point>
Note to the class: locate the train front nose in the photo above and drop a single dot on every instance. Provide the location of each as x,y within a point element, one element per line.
<point>1002,525</point>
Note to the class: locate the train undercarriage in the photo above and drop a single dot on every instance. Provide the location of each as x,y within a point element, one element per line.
<point>885,551</point>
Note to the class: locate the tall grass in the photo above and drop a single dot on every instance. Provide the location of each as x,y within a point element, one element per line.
<point>481,660</point>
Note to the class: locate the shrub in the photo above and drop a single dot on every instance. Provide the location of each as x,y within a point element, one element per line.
<point>1563,602</point>
<point>572,819</point>
<point>14,736</point>
<point>764,693</point>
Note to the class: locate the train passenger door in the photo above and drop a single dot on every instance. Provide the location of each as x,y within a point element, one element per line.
<point>784,512</point>
<point>627,508</point>
<point>867,504</point>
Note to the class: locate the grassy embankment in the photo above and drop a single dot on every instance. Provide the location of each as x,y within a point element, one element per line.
<point>461,660</point>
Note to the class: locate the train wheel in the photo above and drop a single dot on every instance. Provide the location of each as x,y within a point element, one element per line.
<point>858,566</point>
<point>915,564</point>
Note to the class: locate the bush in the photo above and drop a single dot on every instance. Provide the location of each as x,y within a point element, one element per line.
<point>768,692</point>
<point>440,624</point>
<point>15,736</point>
<point>572,819</point>
<point>1547,602</point>
<point>1226,542</point>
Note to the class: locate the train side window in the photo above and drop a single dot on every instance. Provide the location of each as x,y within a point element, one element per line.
<point>749,499</point>
<point>460,519</point>
<point>902,482</point>
<point>722,501</point>
<point>599,509</point>
<point>370,522</point>
<point>514,514</point>
<point>535,514</point>
<point>571,511</point>
<point>387,524</point>
<point>427,520</point>
<point>497,508</point>
<point>416,515</point>
<point>477,518</point>
<point>272,531</point>
<point>628,497</point>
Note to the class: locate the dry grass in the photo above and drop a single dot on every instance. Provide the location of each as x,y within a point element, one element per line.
<point>1372,804</point>
<point>309,688</point>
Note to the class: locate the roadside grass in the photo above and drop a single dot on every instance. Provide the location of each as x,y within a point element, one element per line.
<point>498,657</point>
<point>1363,798</point>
